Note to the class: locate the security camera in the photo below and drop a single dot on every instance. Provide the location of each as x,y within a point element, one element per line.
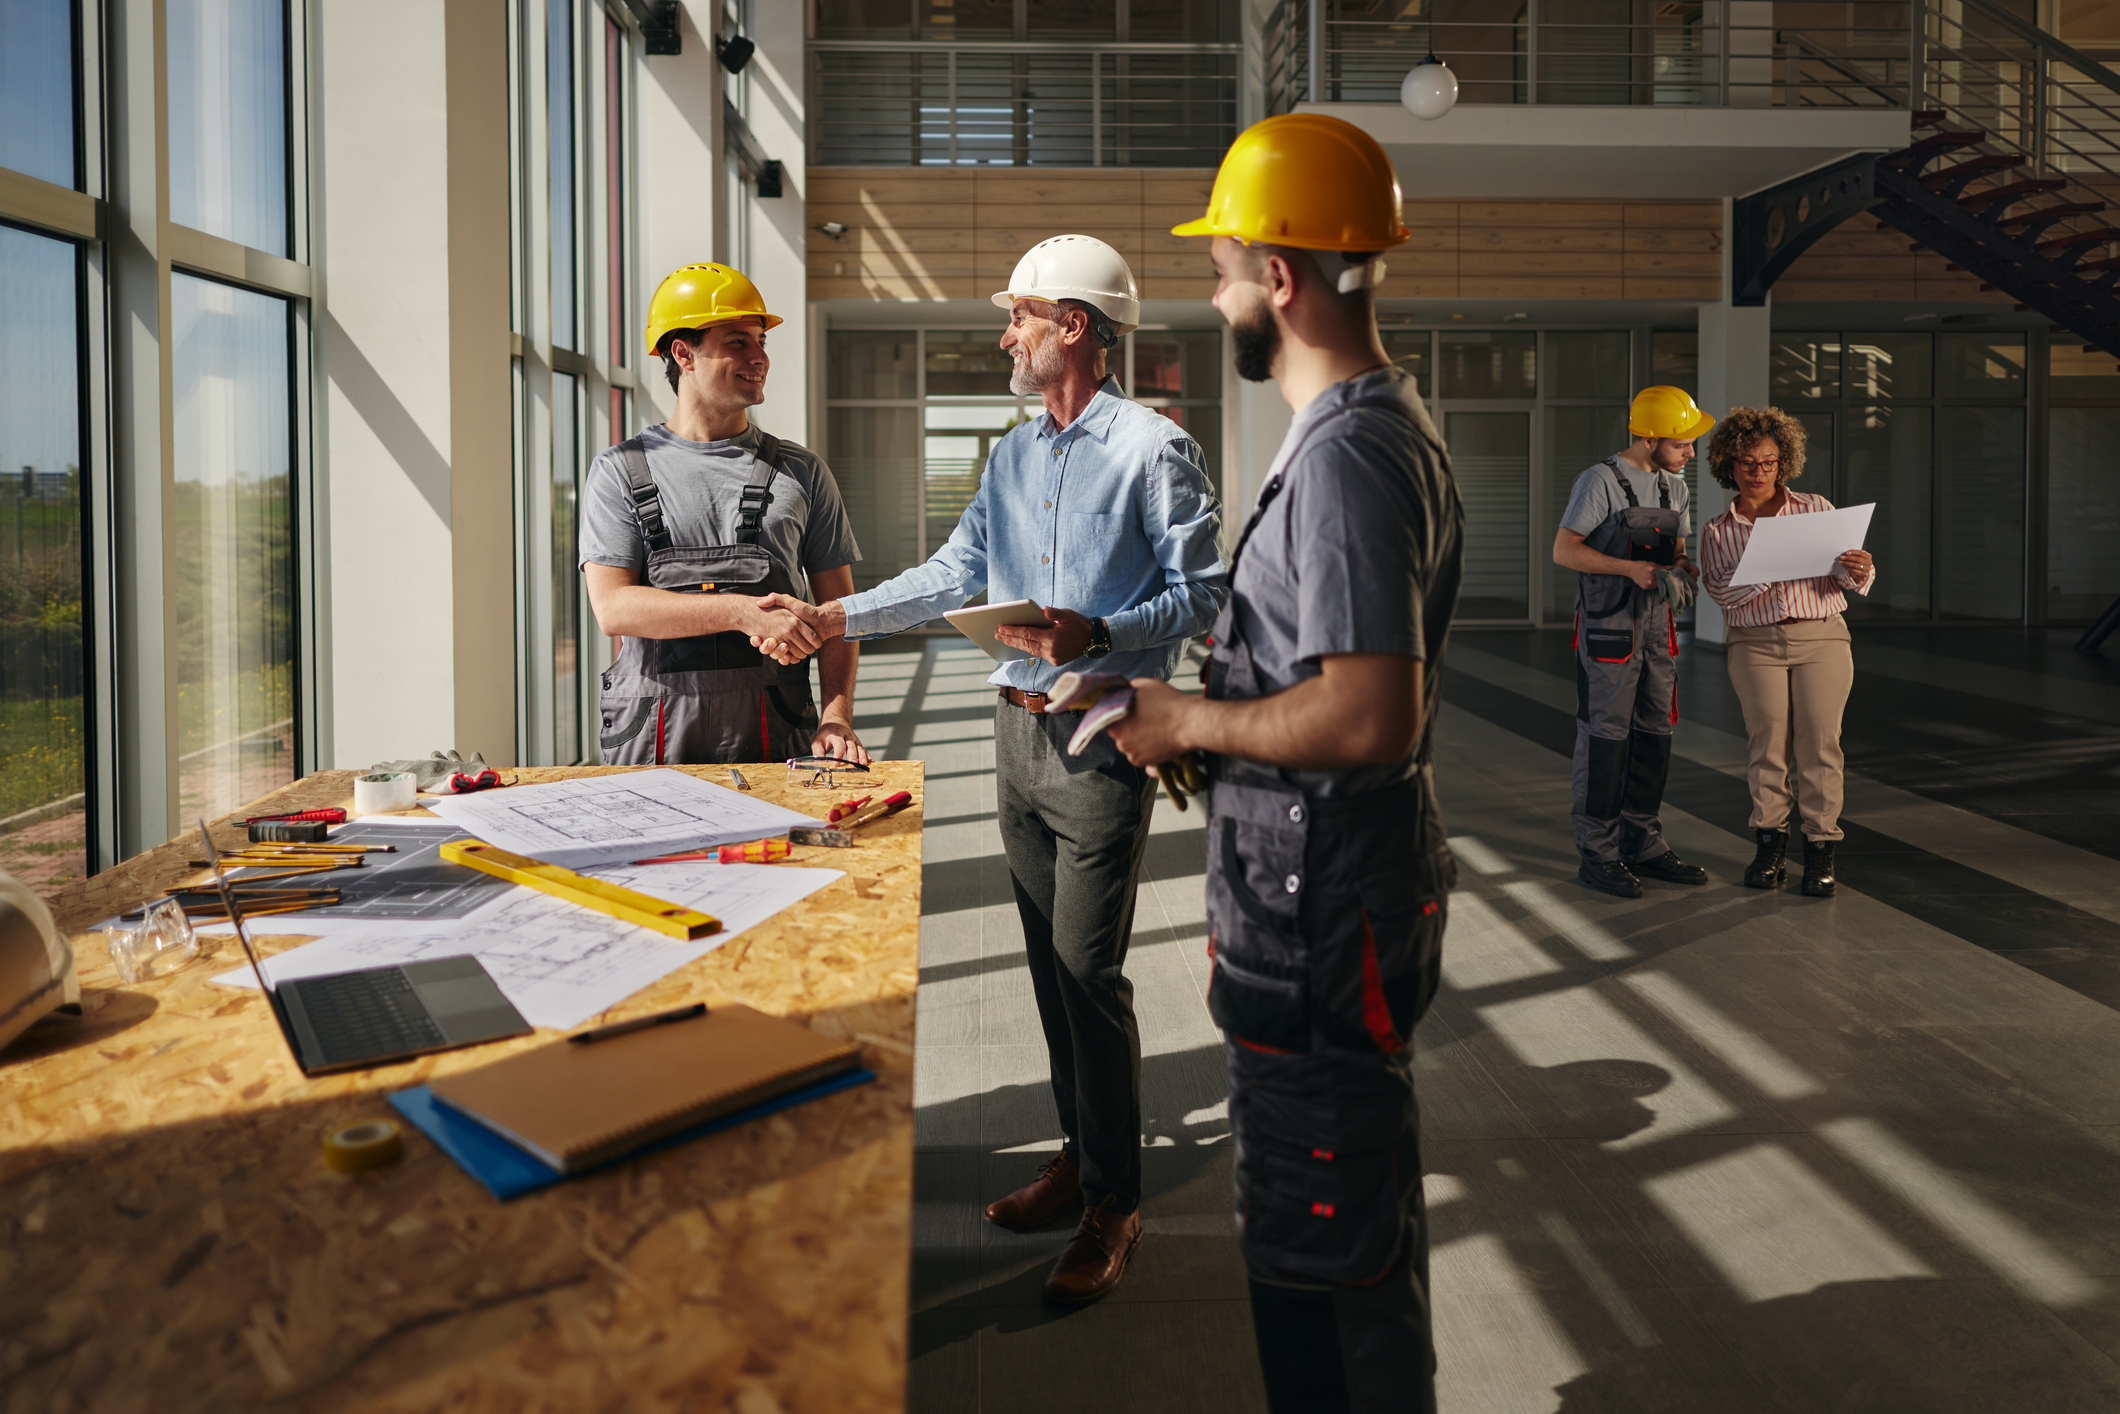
<point>834,229</point>
<point>734,52</point>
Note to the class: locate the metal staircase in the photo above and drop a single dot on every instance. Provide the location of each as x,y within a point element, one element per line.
<point>2016,164</point>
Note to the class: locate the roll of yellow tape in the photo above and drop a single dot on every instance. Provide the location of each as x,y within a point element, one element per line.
<point>360,1147</point>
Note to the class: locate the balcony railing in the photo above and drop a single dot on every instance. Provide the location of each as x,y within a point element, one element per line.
<point>1711,53</point>
<point>1016,104</point>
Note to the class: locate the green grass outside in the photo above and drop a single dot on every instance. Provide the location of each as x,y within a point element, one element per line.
<point>261,697</point>
<point>40,752</point>
<point>41,756</point>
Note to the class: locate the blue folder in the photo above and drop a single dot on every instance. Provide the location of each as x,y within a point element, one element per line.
<point>509,1172</point>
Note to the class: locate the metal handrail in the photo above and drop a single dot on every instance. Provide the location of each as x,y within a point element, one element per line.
<point>2033,35</point>
<point>1028,46</point>
<point>912,103</point>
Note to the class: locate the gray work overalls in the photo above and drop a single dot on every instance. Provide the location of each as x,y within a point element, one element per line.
<point>1325,926</point>
<point>714,698</point>
<point>1626,685</point>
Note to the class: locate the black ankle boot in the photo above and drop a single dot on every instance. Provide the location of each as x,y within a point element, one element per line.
<point>1818,868</point>
<point>1768,871</point>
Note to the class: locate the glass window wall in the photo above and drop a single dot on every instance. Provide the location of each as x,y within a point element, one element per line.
<point>564,511</point>
<point>228,120</point>
<point>1524,411</point>
<point>559,96</point>
<point>39,102</point>
<point>2082,494</point>
<point>1932,428</point>
<point>231,545</point>
<point>43,668</point>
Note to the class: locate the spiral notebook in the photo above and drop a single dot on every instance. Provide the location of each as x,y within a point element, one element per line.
<point>575,1107</point>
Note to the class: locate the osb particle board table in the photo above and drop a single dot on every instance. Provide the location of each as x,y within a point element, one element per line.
<point>170,1239</point>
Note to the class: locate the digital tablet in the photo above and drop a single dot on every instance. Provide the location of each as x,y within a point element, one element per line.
<point>979,624</point>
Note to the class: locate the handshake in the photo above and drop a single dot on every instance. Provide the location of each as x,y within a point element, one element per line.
<point>789,630</point>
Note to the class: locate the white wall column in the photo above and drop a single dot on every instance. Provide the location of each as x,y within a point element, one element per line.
<point>679,176</point>
<point>383,340</point>
<point>1734,347</point>
<point>778,235</point>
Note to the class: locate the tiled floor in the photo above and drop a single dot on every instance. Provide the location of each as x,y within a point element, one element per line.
<point>1708,1150</point>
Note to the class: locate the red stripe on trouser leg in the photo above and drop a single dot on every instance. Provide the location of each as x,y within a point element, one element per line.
<point>765,743</point>
<point>658,731</point>
<point>1376,1011</point>
<point>1674,672</point>
<point>1575,637</point>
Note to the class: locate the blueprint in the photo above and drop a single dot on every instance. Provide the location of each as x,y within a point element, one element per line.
<point>560,963</point>
<point>611,819</point>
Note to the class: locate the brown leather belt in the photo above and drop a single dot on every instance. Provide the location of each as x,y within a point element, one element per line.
<point>1028,701</point>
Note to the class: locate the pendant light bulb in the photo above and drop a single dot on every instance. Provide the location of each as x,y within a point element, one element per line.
<point>1430,90</point>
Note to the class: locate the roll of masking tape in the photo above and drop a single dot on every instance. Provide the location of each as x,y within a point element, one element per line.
<point>393,790</point>
<point>360,1147</point>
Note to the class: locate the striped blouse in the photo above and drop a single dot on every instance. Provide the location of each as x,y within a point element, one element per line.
<point>1759,605</point>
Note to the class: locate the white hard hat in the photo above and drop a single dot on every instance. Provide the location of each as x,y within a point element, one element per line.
<point>1080,268</point>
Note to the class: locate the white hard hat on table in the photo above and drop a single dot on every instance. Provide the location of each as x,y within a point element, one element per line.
<point>1078,268</point>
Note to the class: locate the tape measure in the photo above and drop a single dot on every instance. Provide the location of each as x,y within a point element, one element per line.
<point>360,1147</point>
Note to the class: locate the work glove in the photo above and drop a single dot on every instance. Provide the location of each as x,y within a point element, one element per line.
<point>432,770</point>
<point>1674,588</point>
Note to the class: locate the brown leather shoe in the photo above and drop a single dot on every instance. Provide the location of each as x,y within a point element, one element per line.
<point>1096,1258</point>
<point>1057,1189</point>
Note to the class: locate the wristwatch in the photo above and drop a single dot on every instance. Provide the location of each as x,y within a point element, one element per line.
<point>1100,639</point>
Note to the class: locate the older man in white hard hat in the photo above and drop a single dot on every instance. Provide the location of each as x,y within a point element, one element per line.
<point>1100,509</point>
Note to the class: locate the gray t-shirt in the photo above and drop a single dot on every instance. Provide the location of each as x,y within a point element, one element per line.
<point>1360,553</point>
<point>1597,496</point>
<point>702,484</point>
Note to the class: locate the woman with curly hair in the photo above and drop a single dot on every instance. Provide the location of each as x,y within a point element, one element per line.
<point>1788,649</point>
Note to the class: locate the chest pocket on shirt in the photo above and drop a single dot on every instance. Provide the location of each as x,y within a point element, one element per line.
<point>1096,525</point>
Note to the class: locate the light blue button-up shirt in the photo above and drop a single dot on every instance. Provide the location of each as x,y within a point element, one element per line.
<point>1111,516</point>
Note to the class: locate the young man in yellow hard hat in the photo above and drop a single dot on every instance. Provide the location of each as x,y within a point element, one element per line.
<point>1328,875</point>
<point>687,528</point>
<point>1624,533</point>
<point>1100,510</point>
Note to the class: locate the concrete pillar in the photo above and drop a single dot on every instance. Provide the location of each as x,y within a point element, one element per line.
<point>1734,347</point>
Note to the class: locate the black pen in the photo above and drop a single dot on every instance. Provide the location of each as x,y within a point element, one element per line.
<point>640,1023</point>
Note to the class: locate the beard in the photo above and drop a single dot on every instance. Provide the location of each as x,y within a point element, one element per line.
<point>1038,368</point>
<point>1258,341</point>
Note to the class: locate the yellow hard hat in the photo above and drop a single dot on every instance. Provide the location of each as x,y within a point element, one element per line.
<point>1305,180</point>
<point>694,296</point>
<point>1665,411</point>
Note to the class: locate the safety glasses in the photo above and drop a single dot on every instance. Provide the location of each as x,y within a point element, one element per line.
<point>808,771</point>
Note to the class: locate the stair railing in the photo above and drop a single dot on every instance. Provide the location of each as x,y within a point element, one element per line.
<point>2033,95</point>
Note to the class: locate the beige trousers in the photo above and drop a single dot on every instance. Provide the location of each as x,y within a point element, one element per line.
<point>1793,682</point>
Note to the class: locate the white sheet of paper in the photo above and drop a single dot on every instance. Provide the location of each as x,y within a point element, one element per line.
<point>978,624</point>
<point>558,962</point>
<point>594,820</point>
<point>1801,546</point>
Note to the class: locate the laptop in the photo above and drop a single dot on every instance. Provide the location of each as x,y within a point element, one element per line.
<point>349,1020</point>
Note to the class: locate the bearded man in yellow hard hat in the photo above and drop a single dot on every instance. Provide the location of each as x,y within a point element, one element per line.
<point>1328,875</point>
<point>689,531</point>
<point>1624,533</point>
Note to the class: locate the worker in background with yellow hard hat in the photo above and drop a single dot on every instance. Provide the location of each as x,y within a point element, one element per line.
<point>688,527</point>
<point>1328,874</point>
<point>1624,533</point>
